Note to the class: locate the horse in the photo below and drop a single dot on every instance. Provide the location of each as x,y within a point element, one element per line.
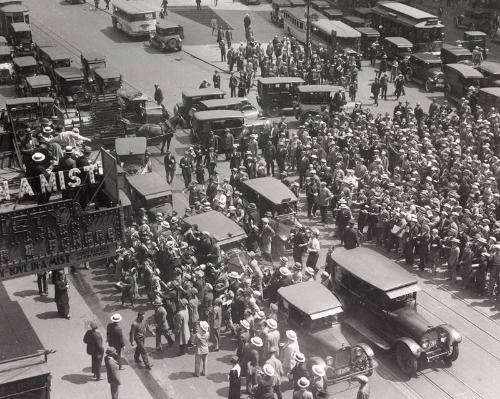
<point>161,132</point>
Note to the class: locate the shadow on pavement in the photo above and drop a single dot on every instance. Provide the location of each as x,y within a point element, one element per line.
<point>48,315</point>
<point>225,359</point>
<point>224,392</point>
<point>119,37</point>
<point>181,375</point>
<point>217,377</point>
<point>77,378</point>
<point>26,293</point>
<point>43,299</point>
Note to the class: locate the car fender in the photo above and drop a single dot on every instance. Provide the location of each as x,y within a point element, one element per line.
<point>415,348</point>
<point>368,350</point>
<point>454,335</point>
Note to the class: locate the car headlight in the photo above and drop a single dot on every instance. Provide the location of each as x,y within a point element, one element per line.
<point>424,344</point>
<point>443,337</point>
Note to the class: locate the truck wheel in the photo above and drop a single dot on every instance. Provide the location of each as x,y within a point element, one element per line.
<point>172,44</point>
<point>454,353</point>
<point>273,110</point>
<point>428,86</point>
<point>407,361</point>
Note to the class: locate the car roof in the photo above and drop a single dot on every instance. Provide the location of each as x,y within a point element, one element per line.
<point>55,53</point>
<point>130,146</point>
<point>399,41</point>
<point>333,11</point>
<point>474,33</point>
<point>149,183</point>
<point>218,102</point>
<point>93,56</point>
<point>318,88</point>
<point>218,114</point>
<point>280,79</point>
<point>107,73</point>
<point>457,50</point>
<point>373,268</point>
<point>209,91</point>
<point>131,94</point>
<point>4,50</point>
<point>133,7</point>
<point>368,31</point>
<point>20,26</point>
<point>490,67</point>
<point>28,100</point>
<point>465,70</point>
<point>495,91</point>
<point>312,298</point>
<point>69,73</point>
<point>353,18</point>
<point>14,8</point>
<point>281,3</point>
<point>164,24</point>
<point>363,10</point>
<point>38,80</point>
<point>222,228</point>
<point>427,57</point>
<point>272,189</point>
<point>24,61</point>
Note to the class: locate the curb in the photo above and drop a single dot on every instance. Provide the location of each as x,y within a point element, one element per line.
<point>206,62</point>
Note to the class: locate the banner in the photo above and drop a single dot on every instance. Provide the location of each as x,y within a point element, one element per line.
<point>54,236</point>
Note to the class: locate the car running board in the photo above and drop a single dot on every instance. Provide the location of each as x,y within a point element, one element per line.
<point>367,333</point>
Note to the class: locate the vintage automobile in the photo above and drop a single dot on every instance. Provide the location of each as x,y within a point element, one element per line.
<point>91,61</point>
<point>379,297</point>
<point>20,39</point>
<point>474,18</point>
<point>23,67</point>
<point>473,39</point>
<point>455,55</point>
<point>51,57</point>
<point>167,36</point>
<point>192,98</point>
<point>232,104</point>
<point>489,97</point>
<point>315,314</point>
<point>333,14</point>
<point>459,78</point>
<point>277,94</point>
<point>38,86</point>
<point>6,66</point>
<point>491,73</point>
<point>217,121</point>
<point>107,80</point>
<point>69,87</point>
<point>368,37</point>
<point>425,69</point>
<point>138,108</point>
<point>131,153</point>
<point>397,47</point>
<point>149,191</point>
<point>311,98</point>
<point>276,14</point>
<point>271,195</point>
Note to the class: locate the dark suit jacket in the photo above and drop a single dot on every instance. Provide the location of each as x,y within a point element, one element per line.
<point>350,239</point>
<point>93,339</point>
<point>115,336</point>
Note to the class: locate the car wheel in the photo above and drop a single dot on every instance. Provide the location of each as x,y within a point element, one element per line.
<point>172,44</point>
<point>407,361</point>
<point>273,110</point>
<point>428,86</point>
<point>454,353</point>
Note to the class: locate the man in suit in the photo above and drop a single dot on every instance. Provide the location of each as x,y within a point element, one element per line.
<point>115,337</point>
<point>350,236</point>
<point>93,339</point>
<point>453,259</point>
<point>112,371</point>
<point>162,327</point>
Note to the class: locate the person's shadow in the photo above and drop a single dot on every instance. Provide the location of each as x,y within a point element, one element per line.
<point>77,379</point>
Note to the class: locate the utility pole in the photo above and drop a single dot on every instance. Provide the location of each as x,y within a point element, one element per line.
<point>308,30</point>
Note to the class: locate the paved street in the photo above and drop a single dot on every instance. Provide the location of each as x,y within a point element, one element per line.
<point>79,28</point>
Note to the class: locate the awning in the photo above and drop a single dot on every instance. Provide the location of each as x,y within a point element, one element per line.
<point>325,313</point>
<point>409,289</point>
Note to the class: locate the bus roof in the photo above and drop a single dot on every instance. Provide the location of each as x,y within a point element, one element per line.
<point>209,91</point>
<point>271,189</point>
<point>405,10</point>
<point>279,80</point>
<point>490,67</point>
<point>318,88</point>
<point>5,2</point>
<point>354,19</point>
<point>20,27</point>
<point>368,31</point>
<point>311,298</point>
<point>340,28</point>
<point>465,70</point>
<point>56,53</point>
<point>218,114</point>
<point>299,13</point>
<point>494,91</point>
<point>399,41</point>
<point>24,61</point>
<point>363,10</point>
<point>133,7</point>
<point>38,81</point>
<point>374,269</point>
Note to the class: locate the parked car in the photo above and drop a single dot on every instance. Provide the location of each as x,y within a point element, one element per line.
<point>277,94</point>
<point>149,191</point>
<point>38,86</point>
<point>204,122</point>
<point>368,37</point>
<point>91,61</point>
<point>107,80</point>
<point>397,47</point>
<point>425,69</point>
<point>459,78</point>
<point>455,55</point>
<point>315,314</point>
<point>333,14</point>
<point>131,153</point>
<point>69,88</point>
<point>473,39</point>
<point>167,36</point>
<point>6,66</point>
<point>379,297</point>
<point>20,39</point>
<point>51,58</point>
<point>231,104</point>
<point>23,67</point>
<point>311,98</point>
<point>192,98</point>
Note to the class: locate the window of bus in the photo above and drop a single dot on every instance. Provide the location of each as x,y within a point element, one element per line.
<point>27,19</point>
<point>143,17</point>
<point>18,17</point>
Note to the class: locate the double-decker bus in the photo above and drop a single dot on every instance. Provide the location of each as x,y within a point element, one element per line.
<point>424,30</point>
<point>334,35</point>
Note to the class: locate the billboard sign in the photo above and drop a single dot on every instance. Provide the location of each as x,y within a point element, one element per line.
<point>110,171</point>
<point>56,235</point>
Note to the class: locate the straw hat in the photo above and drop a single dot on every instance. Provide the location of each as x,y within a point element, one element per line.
<point>303,383</point>
<point>245,324</point>
<point>116,318</point>
<point>268,370</point>
<point>291,335</point>
<point>271,323</point>
<point>318,370</point>
<point>299,357</point>
<point>38,157</point>
<point>257,341</point>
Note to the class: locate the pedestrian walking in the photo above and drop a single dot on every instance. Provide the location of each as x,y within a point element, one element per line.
<point>213,24</point>
<point>375,90</point>
<point>234,379</point>
<point>399,85</point>
<point>222,47</point>
<point>93,340</point>
<point>162,327</point>
<point>110,360</point>
<point>383,87</point>
<point>61,296</point>
<point>170,165</point>
<point>137,336</point>
<point>233,84</point>
<point>186,167</point>
<point>41,280</point>
<point>198,6</point>
<point>200,342</point>
<point>215,318</point>
<point>115,337</point>
<point>158,95</point>
<point>229,38</point>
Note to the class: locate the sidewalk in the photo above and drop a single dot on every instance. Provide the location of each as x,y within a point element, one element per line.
<point>70,365</point>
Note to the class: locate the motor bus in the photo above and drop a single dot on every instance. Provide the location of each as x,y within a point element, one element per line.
<point>424,30</point>
<point>295,22</point>
<point>134,18</point>
<point>12,11</point>
<point>334,35</point>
